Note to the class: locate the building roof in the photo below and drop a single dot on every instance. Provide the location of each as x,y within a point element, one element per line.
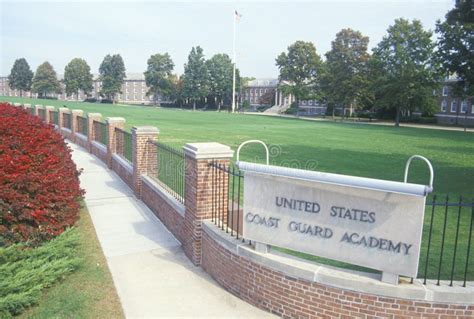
<point>263,82</point>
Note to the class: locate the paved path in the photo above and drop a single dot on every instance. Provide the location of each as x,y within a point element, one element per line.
<point>152,275</point>
<point>351,121</point>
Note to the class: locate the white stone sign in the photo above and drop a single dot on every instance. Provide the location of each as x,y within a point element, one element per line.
<point>367,222</point>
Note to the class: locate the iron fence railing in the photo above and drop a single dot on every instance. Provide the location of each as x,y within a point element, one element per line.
<point>123,143</point>
<point>446,247</point>
<point>55,117</point>
<point>170,170</point>
<point>42,114</point>
<point>227,198</point>
<point>82,125</point>
<point>447,240</point>
<point>67,120</point>
<point>31,110</point>
<point>100,132</point>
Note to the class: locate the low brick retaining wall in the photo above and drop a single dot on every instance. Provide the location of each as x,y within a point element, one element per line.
<point>167,209</point>
<point>123,169</point>
<point>99,151</point>
<point>237,269</point>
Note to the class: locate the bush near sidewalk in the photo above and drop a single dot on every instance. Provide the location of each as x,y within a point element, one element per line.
<point>25,272</point>
<point>39,185</point>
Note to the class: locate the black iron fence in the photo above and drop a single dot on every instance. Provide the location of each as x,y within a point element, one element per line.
<point>227,198</point>
<point>32,110</point>
<point>447,240</point>
<point>100,132</point>
<point>123,143</point>
<point>67,120</point>
<point>55,117</point>
<point>82,125</point>
<point>170,169</point>
<point>42,114</point>
<point>446,247</point>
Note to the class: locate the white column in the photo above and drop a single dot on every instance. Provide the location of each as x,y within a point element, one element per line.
<point>276,97</point>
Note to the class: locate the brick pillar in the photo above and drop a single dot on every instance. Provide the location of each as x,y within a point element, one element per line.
<point>27,107</point>
<point>91,117</point>
<point>61,111</point>
<point>112,123</point>
<point>198,191</point>
<point>143,154</point>
<point>37,106</point>
<point>74,126</point>
<point>49,115</point>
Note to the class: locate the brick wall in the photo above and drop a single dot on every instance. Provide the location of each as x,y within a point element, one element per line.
<point>164,211</point>
<point>296,298</point>
<point>125,174</point>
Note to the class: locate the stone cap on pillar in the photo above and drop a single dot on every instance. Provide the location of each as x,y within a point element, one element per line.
<point>64,110</point>
<point>145,130</point>
<point>27,105</point>
<point>38,105</point>
<point>16,104</point>
<point>207,150</point>
<point>78,112</point>
<point>94,115</point>
<point>115,120</point>
<point>49,107</point>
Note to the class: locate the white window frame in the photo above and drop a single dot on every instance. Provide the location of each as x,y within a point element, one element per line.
<point>454,106</point>
<point>445,91</point>
<point>464,106</point>
<point>444,106</point>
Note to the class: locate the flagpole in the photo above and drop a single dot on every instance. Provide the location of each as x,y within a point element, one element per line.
<point>233,72</point>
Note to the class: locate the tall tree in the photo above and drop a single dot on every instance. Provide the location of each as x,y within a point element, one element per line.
<point>220,69</point>
<point>456,45</point>
<point>158,76</point>
<point>345,80</point>
<point>299,69</point>
<point>21,76</point>
<point>45,80</point>
<point>404,69</point>
<point>78,77</point>
<point>196,76</point>
<point>112,74</point>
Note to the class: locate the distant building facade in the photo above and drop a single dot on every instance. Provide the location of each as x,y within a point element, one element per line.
<point>134,91</point>
<point>262,91</point>
<point>453,110</point>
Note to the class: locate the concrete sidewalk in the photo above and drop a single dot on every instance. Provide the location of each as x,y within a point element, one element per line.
<point>152,275</point>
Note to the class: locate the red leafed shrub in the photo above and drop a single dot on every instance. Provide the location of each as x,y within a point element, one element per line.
<point>39,184</point>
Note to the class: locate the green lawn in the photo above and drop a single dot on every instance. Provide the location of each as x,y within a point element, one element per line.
<point>355,149</point>
<point>86,293</point>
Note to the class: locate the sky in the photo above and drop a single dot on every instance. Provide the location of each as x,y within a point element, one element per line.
<point>58,31</point>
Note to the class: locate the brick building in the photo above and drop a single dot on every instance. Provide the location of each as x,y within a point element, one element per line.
<point>258,91</point>
<point>134,91</point>
<point>454,110</point>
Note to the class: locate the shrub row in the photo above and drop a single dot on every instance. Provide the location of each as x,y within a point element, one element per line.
<point>39,184</point>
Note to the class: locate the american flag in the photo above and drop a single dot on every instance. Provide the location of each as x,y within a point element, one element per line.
<point>237,15</point>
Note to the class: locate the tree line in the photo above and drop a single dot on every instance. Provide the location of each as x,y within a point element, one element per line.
<point>204,81</point>
<point>400,75</point>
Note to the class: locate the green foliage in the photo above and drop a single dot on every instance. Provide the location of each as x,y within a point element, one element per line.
<point>300,70</point>
<point>404,69</point>
<point>456,45</point>
<point>346,78</point>
<point>78,76</point>
<point>220,68</point>
<point>45,80</point>
<point>196,76</point>
<point>25,272</point>
<point>112,74</point>
<point>21,76</point>
<point>158,76</point>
